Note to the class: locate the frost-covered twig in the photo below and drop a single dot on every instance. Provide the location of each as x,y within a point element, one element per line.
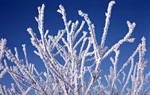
<point>107,21</point>
<point>71,74</point>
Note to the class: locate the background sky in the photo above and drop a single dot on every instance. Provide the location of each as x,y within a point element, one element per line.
<point>17,15</point>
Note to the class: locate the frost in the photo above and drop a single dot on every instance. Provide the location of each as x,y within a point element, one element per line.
<point>69,77</point>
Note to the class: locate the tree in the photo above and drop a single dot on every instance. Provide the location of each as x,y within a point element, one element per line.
<point>68,76</point>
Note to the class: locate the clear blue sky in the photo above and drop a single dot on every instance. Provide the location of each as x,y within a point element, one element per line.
<point>17,15</point>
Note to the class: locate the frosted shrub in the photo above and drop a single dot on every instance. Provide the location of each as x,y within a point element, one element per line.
<point>68,77</point>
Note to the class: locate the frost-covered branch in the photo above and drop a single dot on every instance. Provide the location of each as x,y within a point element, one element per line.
<point>79,72</point>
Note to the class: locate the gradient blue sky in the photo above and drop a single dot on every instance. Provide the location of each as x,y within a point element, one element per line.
<point>17,15</point>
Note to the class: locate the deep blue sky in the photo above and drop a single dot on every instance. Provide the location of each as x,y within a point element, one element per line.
<point>17,15</point>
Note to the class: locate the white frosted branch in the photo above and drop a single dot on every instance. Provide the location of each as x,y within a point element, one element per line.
<point>73,28</point>
<point>126,38</point>
<point>46,33</point>
<point>107,21</point>
<point>83,44</point>
<point>124,76</point>
<point>16,53</point>
<point>65,65</point>
<point>27,91</point>
<point>114,71</point>
<point>34,40</point>
<point>82,65</point>
<point>129,75</point>
<point>25,54</point>
<point>76,90</point>
<point>129,59</point>
<point>2,90</point>
<point>80,28</point>
<point>62,11</point>
<point>92,33</point>
<point>40,19</point>
<point>2,48</point>
<point>84,34</point>
<point>3,73</point>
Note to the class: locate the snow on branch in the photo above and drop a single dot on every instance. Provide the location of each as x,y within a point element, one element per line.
<point>108,15</point>
<point>79,72</point>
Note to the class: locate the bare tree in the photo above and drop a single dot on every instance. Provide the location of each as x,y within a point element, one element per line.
<point>68,76</point>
